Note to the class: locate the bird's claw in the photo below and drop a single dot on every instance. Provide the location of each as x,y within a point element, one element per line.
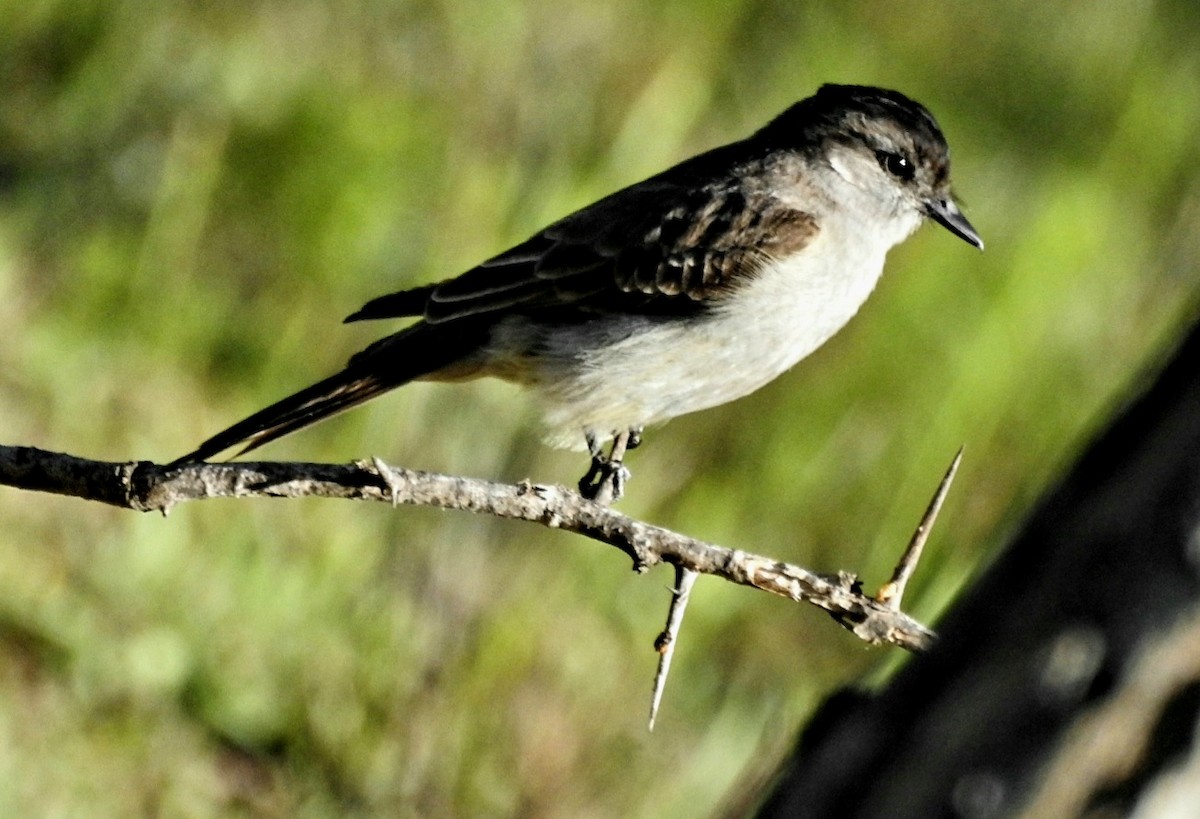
<point>605,477</point>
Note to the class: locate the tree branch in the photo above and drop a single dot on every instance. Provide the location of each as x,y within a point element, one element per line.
<point>147,487</point>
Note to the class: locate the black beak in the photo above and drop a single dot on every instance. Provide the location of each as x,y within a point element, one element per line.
<point>947,214</point>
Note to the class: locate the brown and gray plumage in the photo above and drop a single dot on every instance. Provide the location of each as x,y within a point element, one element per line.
<point>684,291</point>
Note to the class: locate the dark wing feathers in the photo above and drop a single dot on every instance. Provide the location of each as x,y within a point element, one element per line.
<point>660,247</point>
<point>528,252</point>
<point>394,305</point>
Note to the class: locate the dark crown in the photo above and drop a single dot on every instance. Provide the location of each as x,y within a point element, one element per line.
<point>864,113</point>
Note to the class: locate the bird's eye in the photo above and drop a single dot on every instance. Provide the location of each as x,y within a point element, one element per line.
<point>896,164</point>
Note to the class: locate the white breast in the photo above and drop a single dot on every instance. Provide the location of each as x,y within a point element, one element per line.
<point>626,372</point>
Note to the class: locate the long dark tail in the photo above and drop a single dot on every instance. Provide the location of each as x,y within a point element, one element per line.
<point>389,363</point>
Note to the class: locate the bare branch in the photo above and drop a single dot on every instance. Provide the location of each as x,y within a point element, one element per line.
<point>146,487</point>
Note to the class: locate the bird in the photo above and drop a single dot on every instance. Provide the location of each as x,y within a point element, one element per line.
<point>681,292</point>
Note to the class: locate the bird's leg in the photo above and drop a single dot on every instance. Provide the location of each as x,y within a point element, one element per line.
<point>593,476</point>
<point>606,477</point>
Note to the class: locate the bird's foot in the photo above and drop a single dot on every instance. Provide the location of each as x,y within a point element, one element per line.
<point>607,476</point>
<point>605,480</point>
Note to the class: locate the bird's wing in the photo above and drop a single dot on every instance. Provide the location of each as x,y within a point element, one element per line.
<point>663,246</point>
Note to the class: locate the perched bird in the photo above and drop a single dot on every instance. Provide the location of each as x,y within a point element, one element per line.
<point>681,292</point>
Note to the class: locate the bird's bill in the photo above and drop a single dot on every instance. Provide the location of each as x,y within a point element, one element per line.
<point>947,214</point>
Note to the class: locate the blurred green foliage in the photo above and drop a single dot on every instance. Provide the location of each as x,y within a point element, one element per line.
<point>192,195</point>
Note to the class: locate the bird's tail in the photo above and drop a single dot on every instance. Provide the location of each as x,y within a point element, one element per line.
<point>385,365</point>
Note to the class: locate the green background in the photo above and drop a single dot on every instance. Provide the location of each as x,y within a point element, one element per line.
<point>192,196</point>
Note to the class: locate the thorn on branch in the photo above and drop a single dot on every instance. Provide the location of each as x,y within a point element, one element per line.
<point>664,644</point>
<point>892,592</point>
<point>390,480</point>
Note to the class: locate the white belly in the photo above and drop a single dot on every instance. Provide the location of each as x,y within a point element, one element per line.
<point>613,375</point>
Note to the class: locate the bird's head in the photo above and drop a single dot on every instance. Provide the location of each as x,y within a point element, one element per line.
<point>881,143</point>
